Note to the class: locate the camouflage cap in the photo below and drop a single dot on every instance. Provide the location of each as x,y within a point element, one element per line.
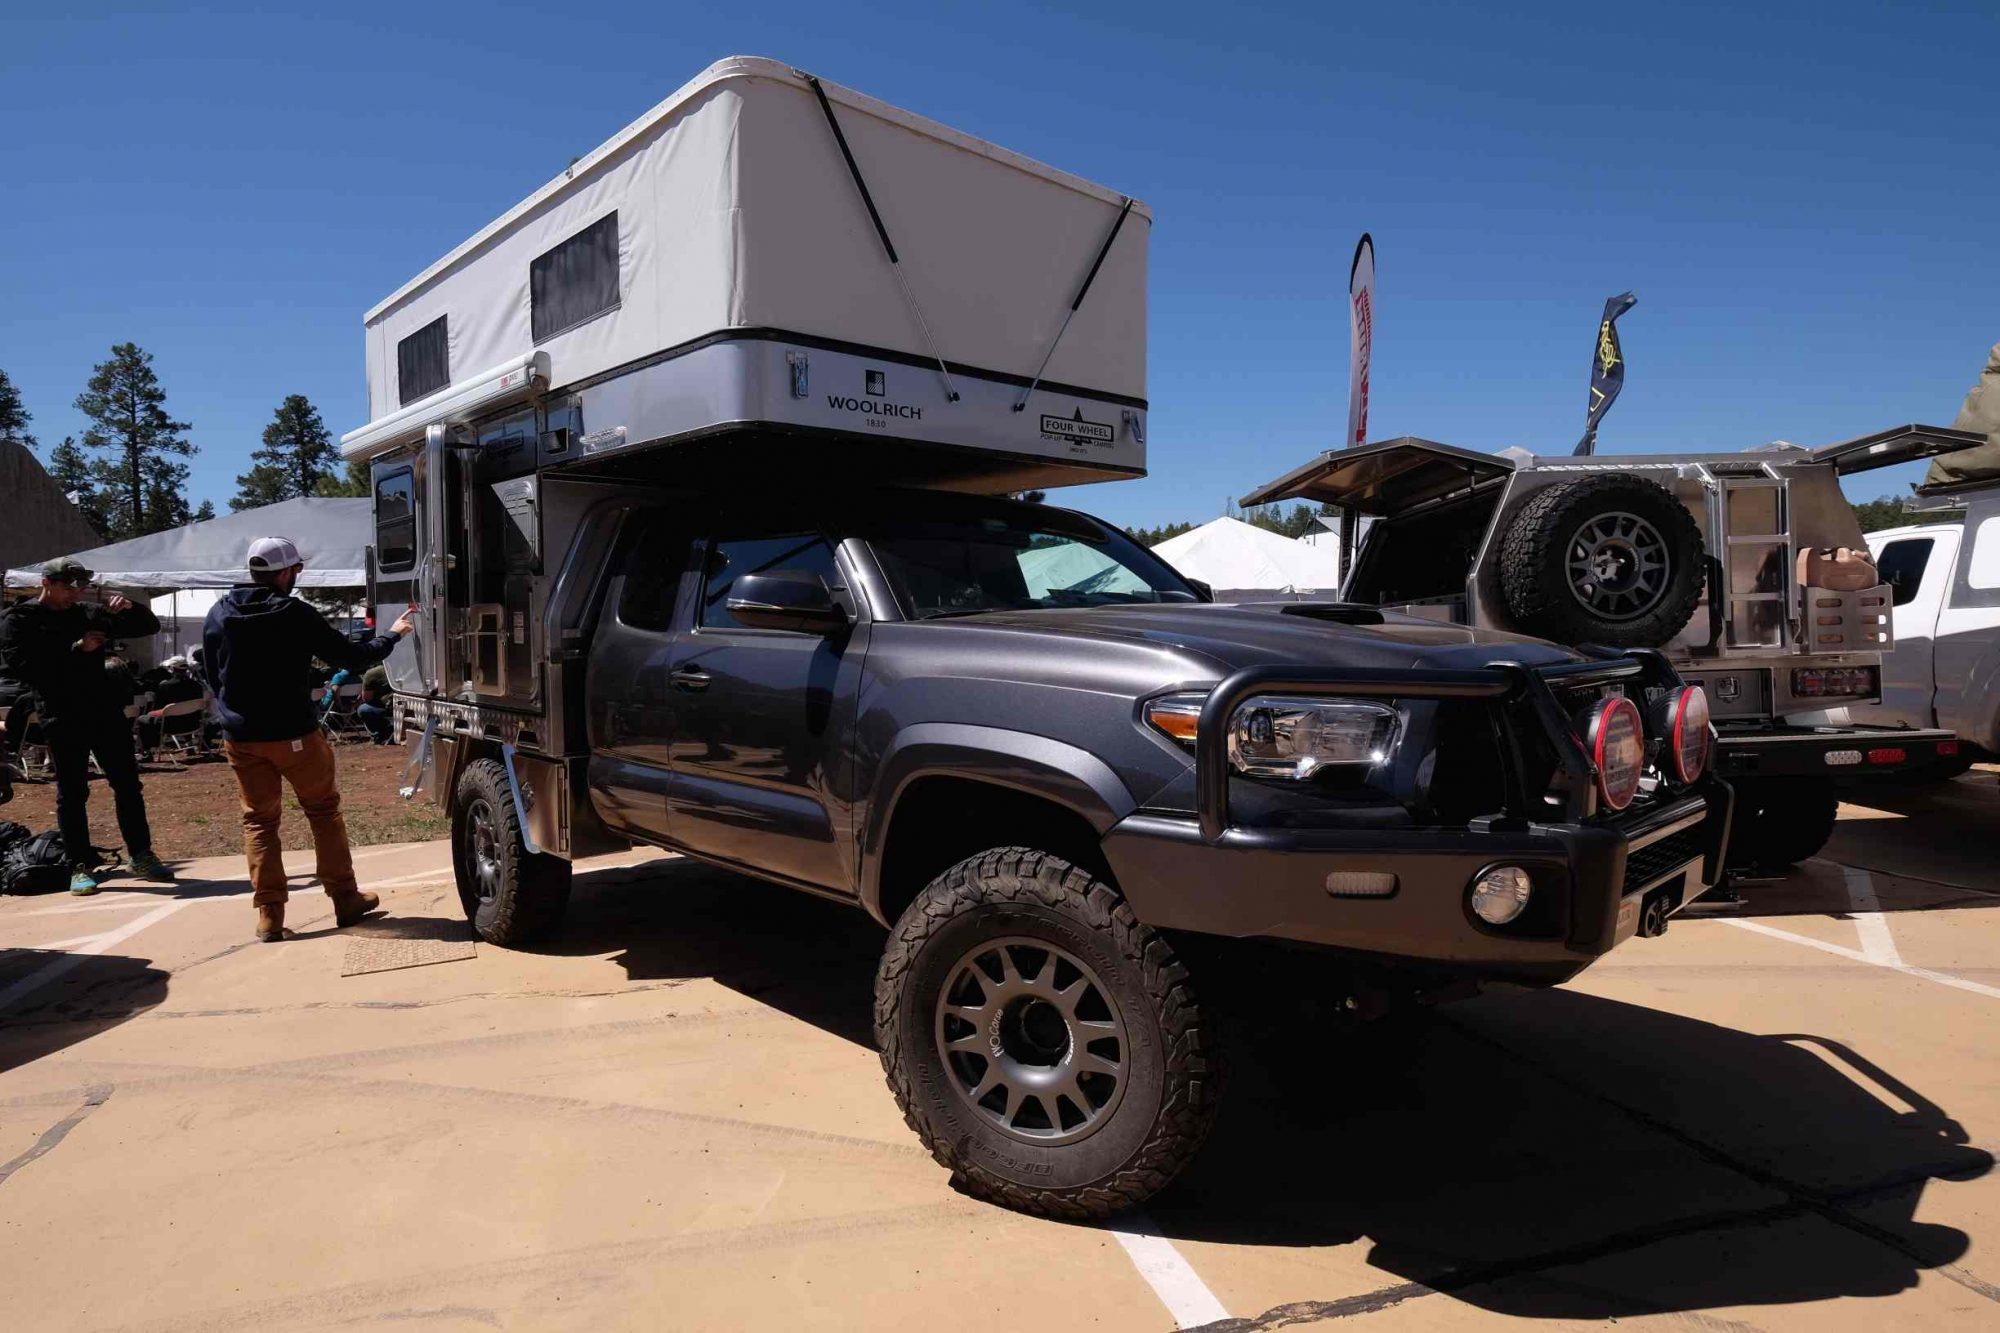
<point>66,570</point>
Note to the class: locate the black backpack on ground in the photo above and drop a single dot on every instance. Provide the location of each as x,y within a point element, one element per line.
<point>33,864</point>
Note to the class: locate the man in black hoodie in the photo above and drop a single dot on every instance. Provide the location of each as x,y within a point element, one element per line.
<point>56,645</point>
<point>258,646</point>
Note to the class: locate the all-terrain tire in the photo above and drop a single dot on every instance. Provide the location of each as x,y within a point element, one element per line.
<point>1540,583</point>
<point>512,896</point>
<point>1167,1104</point>
<point>1779,822</point>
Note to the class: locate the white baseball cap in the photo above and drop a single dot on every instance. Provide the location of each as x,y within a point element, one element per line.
<point>269,554</point>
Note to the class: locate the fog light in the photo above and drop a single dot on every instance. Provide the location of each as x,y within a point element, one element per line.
<point>1500,895</point>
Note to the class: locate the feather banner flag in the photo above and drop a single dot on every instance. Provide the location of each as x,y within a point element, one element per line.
<point>1361,337</point>
<point>1607,370</point>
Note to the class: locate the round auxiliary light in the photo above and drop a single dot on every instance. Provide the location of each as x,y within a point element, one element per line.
<point>1687,732</point>
<point>1501,894</point>
<point>1616,741</point>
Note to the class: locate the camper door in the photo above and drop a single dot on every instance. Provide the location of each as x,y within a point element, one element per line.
<point>397,565</point>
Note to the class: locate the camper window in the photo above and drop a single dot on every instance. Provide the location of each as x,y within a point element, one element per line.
<point>395,522</point>
<point>423,362</point>
<point>576,281</point>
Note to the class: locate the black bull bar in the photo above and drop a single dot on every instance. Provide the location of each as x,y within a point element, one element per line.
<point>1502,686</point>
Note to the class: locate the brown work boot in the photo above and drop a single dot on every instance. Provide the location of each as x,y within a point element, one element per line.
<point>270,922</point>
<point>351,906</point>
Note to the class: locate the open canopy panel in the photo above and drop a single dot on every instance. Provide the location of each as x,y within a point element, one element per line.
<point>1387,477</point>
<point>734,213</point>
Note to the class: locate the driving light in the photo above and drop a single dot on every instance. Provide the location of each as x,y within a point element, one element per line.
<point>1683,718</point>
<point>1279,736</point>
<point>1501,894</point>
<point>1616,742</point>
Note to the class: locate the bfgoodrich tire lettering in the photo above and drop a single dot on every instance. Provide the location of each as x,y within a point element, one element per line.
<point>510,895</point>
<point>1165,1098</point>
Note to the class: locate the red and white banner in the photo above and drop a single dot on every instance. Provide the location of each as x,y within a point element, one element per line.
<point>1361,337</point>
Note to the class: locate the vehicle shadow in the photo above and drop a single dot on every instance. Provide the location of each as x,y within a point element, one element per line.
<point>1554,1154</point>
<point>87,996</point>
<point>677,919</point>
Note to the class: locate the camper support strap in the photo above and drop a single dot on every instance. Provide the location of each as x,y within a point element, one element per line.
<point>1081,292</point>
<point>882,232</point>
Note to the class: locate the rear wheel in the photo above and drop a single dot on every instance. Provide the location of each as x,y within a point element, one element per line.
<point>512,896</point>
<point>1779,822</point>
<point>1044,1044</point>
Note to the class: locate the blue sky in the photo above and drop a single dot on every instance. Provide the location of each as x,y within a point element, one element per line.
<point>1803,198</point>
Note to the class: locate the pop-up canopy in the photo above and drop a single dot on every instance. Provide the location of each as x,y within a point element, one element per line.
<point>332,535</point>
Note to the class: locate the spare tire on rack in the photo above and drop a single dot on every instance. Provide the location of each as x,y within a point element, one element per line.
<point>1611,559</point>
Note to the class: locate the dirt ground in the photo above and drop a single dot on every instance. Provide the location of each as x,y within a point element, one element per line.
<point>194,812</point>
<point>1782,1115</point>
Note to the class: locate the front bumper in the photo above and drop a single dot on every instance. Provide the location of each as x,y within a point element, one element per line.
<point>1401,896</point>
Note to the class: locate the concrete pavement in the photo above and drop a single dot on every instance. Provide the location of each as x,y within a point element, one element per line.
<point>1778,1118</point>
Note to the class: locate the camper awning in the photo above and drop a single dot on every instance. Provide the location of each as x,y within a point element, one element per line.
<point>332,535</point>
<point>1384,478</point>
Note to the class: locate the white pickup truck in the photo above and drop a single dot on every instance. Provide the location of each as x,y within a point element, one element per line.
<point>1945,669</point>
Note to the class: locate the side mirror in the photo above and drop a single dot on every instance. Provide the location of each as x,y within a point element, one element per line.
<point>785,599</point>
<point>1207,593</point>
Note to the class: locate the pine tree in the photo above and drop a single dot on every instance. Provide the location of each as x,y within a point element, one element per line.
<point>355,485</point>
<point>297,459</point>
<point>14,417</point>
<point>71,471</point>
<point>142,486</point>
<point>206,512</point>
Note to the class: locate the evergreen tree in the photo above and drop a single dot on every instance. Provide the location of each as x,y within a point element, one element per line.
<point>297,459</point>
<point>206,512</point>
<point>14,417</point>
<point>142,486</point>
<point>71,471</point>
<point>354,485</point>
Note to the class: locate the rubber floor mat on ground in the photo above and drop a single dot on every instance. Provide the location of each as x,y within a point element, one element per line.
<point>386,944</point>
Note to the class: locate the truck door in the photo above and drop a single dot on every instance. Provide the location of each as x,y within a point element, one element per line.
<point>761,716</point>
<point>1917,568</point>
<point>627,689</point>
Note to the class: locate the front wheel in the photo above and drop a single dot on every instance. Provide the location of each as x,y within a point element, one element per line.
<point>511,896</point>
<point>1779,822</point>
<point>1046,1046</point>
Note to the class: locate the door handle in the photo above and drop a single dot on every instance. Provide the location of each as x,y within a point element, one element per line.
<point>688,678</point>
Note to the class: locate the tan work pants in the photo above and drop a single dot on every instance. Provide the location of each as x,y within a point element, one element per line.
<point>262,768</point>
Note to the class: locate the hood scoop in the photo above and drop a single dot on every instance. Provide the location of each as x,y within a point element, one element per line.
<point>1336,613</point>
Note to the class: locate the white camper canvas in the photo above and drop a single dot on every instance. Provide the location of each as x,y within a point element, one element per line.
<point>735,210</point>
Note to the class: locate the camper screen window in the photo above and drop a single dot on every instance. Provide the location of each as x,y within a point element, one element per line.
<point>423,362</point>
<point>576,281</point>
<point>395,523</point>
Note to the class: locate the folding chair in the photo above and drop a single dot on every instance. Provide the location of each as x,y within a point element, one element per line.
<point>181,729</point>
<point>338,719</point>
<point>32,751</point>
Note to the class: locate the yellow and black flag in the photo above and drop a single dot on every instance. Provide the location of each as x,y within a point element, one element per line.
<point>1607,370</point>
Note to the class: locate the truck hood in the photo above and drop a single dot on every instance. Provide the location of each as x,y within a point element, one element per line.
<point>1283,634</point>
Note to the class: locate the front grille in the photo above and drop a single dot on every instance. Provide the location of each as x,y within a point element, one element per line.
<point>1648,863</point>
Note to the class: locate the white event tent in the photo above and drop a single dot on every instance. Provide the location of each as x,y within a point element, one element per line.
<point>1242,562</point>
<point>332,535</point>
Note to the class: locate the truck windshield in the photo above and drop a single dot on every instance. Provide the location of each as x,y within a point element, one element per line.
<point>992,564</point>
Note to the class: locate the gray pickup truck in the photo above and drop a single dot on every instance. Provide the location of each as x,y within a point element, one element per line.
<point>1043,760</point>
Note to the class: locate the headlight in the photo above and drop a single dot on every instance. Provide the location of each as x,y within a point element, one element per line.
<point>1279,736</point>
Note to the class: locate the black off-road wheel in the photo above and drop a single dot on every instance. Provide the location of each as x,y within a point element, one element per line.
<point>1606,559</point>
<point>1047,1048</point>
<point>1779,822</point>
<point>511,896</point>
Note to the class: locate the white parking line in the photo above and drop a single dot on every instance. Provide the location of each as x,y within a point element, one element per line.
<point>1169,1274</point>
<point>99,944</point>
<point>1869,921</point>
<point>1841,950</point>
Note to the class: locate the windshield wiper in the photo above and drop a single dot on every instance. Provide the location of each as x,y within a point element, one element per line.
<point>946,613</point>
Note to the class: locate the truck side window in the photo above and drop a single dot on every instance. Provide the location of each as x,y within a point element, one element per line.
<point>395,522</point>
<point>653,575</point>
<point>1985,568</point>
<point>1901,566</point>
<point>802,553</point>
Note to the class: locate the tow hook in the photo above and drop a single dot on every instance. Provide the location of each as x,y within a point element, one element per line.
<point>1653,916</point>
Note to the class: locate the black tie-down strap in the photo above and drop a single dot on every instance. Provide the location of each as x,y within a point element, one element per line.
<point>881,232</point>
<point>1081,292</point>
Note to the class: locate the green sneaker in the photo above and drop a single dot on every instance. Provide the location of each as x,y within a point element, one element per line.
<point>83,883</point>
<point>151,867</point>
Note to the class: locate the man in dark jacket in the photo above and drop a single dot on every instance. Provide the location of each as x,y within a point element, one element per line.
<point>56,646</point>
<point>258,646</point>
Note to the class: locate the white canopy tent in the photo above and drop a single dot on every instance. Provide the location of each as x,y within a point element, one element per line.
<point>332,535</point>
<point>1242,562</point>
